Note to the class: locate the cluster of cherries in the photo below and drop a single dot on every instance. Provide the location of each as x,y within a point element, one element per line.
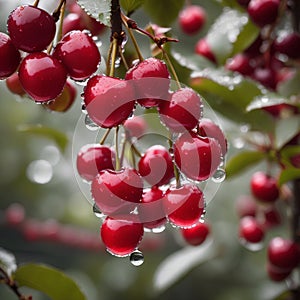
<point>163,185</point>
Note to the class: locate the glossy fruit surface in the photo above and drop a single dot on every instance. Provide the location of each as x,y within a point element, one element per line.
<point>121,237</point>
<point>117,192</point>
<point>203,48</point>
<point>182,111</point>
<point>79,54</point>
<point>289,45</point>
<point>277,274</point>
<point>185,205</point>
<point>14,85</point>
<point>240,63</point>
<point>151,80</point>
<point>42,76</point>
<point>192,18</point>
<point>197,157</point>
<point>31,28</point>
<point>266,77</point>
<point>264,187</point>
<point>135,126</point>
<point>196,235</point>
<point>109,101</point>
<point>250,230</point>
<point>156,165</point>
<point>92,159</point>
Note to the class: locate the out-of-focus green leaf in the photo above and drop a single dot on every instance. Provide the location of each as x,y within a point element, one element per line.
<point>241,161</point>
<point>231,33</point>
<point>284,296</point>
<point>289,151</point>
<point>288,174</point>
<point>286,129</point>
<point>291,86</point>
<point>7,261</point>
<point>98,9</point>
<point>48,280</point>
<point>163,12</point>
<point>180,263</point>
<point>131,5</point>
<point>265,101</point>
<point>55,135</point>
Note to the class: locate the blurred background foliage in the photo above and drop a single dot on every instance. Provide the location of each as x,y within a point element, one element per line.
<point>219,270</point>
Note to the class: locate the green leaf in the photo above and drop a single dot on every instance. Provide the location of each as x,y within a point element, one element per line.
<point>7,261</point>
<point>180,263</point>
<point>242,161</point>
<point>291,86</point>
<point>286,129</point>
<point>130,6</point>
<point>284,296</point>
<point>288,174</point>
<point>163,12</point>
<point>265,101</point>
<point>98,9</point>
<point>289,151</point>
<point>48,280</point>
<point>55,135</point>
<point>231,33</point>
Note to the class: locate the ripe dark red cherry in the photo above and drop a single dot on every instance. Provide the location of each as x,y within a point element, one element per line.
<point>197,157</point>
<point>42,76</point>
<point>263,12</point>
<point>109,101</point>
<point>283,253</point>
<point>121,237</point>
<point>240,63</point>
<point>203,48</point>
<point>10,56</point>
<point>14,85</point>
<point>277,274</point>
<point>250,230</point>
<point>182,111</point>
<point>185,205</point>
<point>266,77</point>
<point>117,192</point>
<point>72,22</point>
<point>151,211</point>
<point>92,159</point>
<point>192,18</point>
<point>289,45</point>
<point>151,79</point>
<point>264,187</point>
<point>31,28</point>
<point>207,128</point>
<point>196,235</point>
<point>79,54</point>
<point>156,165</point>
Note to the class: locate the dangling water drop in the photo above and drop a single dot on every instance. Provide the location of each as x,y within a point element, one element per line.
<point>219,176</point>
<point>90,125</point>
<point>159,229</point>
<point>254,247</point>
<point>83,109</point>
<point>137,258</point>
<point>97,211</point>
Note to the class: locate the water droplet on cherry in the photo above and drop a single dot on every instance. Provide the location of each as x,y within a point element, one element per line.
<point>89,123</point>
<point>219,176</point>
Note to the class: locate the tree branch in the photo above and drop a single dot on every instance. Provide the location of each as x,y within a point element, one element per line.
<point>116,22</point>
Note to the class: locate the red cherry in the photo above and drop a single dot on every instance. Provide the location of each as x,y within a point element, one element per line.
<point>31,230</point>
<point>272,218</point>
<point>207,128</point>
<point>266,77</point>
<point>246,206</point>
<point>31,28</point>
<point>192,18</point>
<point>295,160</point>
<point>197,157</point>
<point>65,100</point>
<point>42,76</point>
<point>182,111</point>
<point>117,192</point>
<point>156,165</point>
<point>14,85</point>
<point>151,211</point>
<point>135,127</point>
<point>254,49</point>
<point>79,54</point>
<point>289,45</point>
<point>277,274</point>
<point>185,205</point>
<point>196,235</point>
<point>92,159</point>
<point>264,187</point>
<point>203,48</point>
<point>250,230</point>
<point>72,22</point>
<point>151,79</point>
<point>283,253</point>
<point>121,237</point>
<point>109,101</point>
<point>240,63</point>
<point>10,56</point>
<point>279,110</point>
<point>243,2</point>
<point>263,12</point>
<point>15,214</point>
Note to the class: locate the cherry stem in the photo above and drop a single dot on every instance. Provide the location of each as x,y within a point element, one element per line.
<point>176,171</point>
<point>167,58</point>
<point>113,57</point>
<point>118,165</point>
<point>36,3</point>
<point>104,137</point>
<point>57,13</point>
<point>123,58</point>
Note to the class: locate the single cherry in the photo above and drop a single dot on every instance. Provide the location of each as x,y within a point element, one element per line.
<point>14,85</point>
<point>135,127</point>
<point>31,28</point>
<point>266,77</point>
<point>277,274</point>
<point>121,237</point>
<point>264,187</point>
<point>109,101</point>
<point>151,80</point>
<point>42,76</point>
<point>192,18</point>
<point>185,205</point>
<point>197,157</point>
<point>196,235</point>
<point>156,166</point>
<point>92,159</point>
<point>240,63</point>
<point>14,214</point>
<point>289,45</point>
<point>72,21</point>
<point>182,111</point>
<point>203,48</point>
<point>250,230</point>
